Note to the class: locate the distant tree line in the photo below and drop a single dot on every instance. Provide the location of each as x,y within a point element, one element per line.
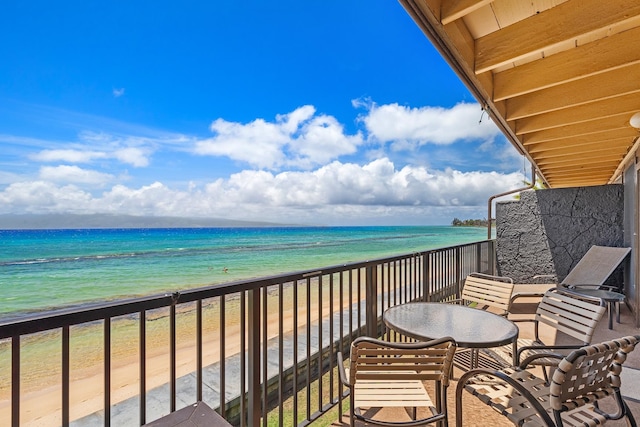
<point>469,222</point>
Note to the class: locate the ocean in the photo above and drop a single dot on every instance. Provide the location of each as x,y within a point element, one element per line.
<point>46,269</point>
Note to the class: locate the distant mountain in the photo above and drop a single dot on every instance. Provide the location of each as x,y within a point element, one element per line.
<point>55,221</point>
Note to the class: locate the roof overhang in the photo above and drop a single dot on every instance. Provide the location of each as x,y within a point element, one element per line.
<point>560,78</point>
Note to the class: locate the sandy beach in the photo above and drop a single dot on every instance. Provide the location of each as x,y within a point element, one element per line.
<point>41,389</point>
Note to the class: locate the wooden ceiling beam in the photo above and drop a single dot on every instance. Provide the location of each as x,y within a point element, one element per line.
<point>614,146</point>
<point>543,90</point>
<point>586,158</point>
<point>604,166</point>
<point>602,172</point>
<point>568,174</point>
<point>579,141</point>
<point>573,182</point>
<point>578,183</point>
<point>596,175</point>
<point>624,105</point>
<point>592,128</point>
<point>456,9</point>
<point>584,182</point>
<point>611,84</point>
<point>577,180</point>
<point>606,54</point>
<point>564,22</point>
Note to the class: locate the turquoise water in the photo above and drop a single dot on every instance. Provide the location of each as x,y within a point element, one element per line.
<point>43,269</point>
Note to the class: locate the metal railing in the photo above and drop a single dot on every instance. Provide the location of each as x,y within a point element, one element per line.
<point>278,336</point>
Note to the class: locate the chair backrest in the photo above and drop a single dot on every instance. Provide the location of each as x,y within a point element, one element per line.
<point>595,267</point>
<point>373,359</point>
<point>574,315</point>
<point>488,291</point>
<point>585,373</point>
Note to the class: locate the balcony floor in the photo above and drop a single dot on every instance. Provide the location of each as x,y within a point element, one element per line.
<point>478,414</point>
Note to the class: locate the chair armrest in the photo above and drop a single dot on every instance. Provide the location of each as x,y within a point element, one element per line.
<point>528,360</point>
<point>343,374</point>
<point>546,347</point>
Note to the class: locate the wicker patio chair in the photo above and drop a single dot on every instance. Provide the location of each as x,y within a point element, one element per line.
<point>593,269</point>
<point>582,378</point>
<point>573,315</point>
<point>384,374</point>
<point>484,291</point>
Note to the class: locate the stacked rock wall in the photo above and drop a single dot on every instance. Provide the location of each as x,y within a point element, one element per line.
<point>546,232</point>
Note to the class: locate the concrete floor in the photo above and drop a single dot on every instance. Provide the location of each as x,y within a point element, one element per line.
<point>475,413</point>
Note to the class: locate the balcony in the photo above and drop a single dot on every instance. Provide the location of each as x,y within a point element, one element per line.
<point>127,363</point>
<point>131,362</point>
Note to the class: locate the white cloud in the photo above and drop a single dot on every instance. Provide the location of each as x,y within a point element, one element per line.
<point>9,177</point>
<point>295,173</point>
<point>74,174</point>
<point>406,127</point>
<point>69,156</point>
<point>134,156</point>
<point>117,93</point>
<point>299,139</point>
<point>322,139</point>
<point>112,148</point>
<point>337,193</point>
<point>44,197</point>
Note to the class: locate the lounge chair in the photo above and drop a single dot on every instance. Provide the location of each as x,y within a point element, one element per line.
<point>593,269</point>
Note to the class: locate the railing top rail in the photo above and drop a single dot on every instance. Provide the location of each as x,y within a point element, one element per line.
<point>23,324</point>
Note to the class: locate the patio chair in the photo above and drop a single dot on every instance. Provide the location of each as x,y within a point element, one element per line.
<point>385,374</point>
<point>568,313</point>
<point>593,269</point>
<point>484,291</point>
<point>582,379</point>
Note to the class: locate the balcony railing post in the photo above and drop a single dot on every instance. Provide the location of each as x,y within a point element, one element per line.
<point>426,295</point>
<point>15,381</point>
<point>371,306</point>
<point>254,401</point>
<point>491,257</point>
<point>458,270</point>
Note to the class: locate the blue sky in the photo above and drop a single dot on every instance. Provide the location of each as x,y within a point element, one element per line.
<point>308,112</point>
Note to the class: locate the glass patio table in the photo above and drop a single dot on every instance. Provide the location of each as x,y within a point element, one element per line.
<point>469,327</point>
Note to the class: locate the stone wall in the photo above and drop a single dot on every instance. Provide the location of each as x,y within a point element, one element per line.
<point>546,232</point>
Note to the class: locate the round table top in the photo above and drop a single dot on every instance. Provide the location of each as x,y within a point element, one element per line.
<point>470,327</point>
